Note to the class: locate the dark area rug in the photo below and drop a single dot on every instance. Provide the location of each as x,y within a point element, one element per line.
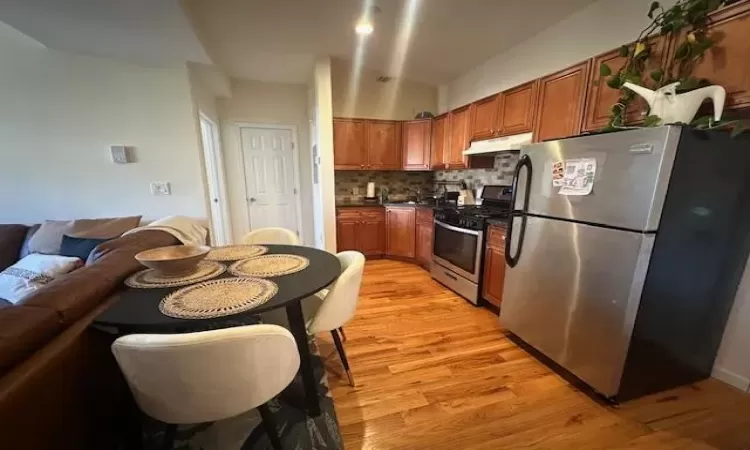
<point>297,430</point>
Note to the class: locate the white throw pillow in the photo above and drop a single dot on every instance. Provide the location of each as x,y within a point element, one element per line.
<point>31,273</point>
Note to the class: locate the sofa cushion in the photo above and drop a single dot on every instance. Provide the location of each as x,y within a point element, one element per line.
<point>79,247</point>
<point>23,330</point>
<point>32,273</point>
<point>74,294</point>
<point>25,249</point>
<point>48,238</point>
<point>11,241</point>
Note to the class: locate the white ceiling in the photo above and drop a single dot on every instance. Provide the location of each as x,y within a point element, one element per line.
<point>141,31</point>
<point>278,40</point>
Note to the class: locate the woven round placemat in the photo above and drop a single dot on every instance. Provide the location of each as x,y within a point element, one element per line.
<point>235,252</point>
<point>149,278</point>
<point>217,298</point>
<point>269,266</point>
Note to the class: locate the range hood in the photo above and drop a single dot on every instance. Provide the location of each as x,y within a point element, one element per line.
<point>497,145</point>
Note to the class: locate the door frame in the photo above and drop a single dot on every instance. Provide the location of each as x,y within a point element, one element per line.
<point>295,169</point>
<point>213,157</point>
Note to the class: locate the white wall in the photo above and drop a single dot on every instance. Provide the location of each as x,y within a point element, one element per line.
<point>325,197</point>
<point>399,99</point>
<point>264,103</point>
<point>733,362</point>
<point>595,29</point>
<point>60,114</point>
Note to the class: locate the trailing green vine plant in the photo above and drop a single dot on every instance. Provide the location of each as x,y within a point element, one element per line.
<point>687,23</point>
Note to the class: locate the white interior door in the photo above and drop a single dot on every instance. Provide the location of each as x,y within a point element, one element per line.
<point>215,179</point>
<point>270,177</point>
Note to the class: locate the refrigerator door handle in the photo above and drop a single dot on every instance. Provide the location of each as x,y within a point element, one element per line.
<point>510,259</point>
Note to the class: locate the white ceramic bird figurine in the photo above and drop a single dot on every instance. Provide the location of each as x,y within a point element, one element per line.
<point>672,108</point>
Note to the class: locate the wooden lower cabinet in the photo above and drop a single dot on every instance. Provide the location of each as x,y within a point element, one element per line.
<point>361,229</point>
<point>400,223</point>
<point>494,266</point>
<point>371,236</point>
<point>424,235</point>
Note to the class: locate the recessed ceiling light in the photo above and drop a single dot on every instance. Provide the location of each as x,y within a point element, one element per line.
<point>364,28</point>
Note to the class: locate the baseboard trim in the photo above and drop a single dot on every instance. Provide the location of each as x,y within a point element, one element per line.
<point>731,378</point>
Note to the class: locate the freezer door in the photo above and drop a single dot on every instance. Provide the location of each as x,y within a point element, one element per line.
<point>632,175</point>
<point>574,295</point>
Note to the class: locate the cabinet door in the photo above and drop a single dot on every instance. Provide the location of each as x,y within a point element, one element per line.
<point>349,151</point>
<point>484,117</point>
<point>561,100</point>
<point>371,237</point>
<point>459,138</point>
<point>728,62</point>
<point>600,97</point>
<point>517,109</point>
<point>424,244</point>
<point>400,232</point>
<point>440,128</point>
<point>416,137</point>
<point>383,144</point>
<point>494,266</point>
<point>346,234</point>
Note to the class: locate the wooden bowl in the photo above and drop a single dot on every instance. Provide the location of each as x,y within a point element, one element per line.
<point>174,260</point>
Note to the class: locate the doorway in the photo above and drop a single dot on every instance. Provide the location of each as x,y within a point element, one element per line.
<point>270,161</point>
<point>215,179</point>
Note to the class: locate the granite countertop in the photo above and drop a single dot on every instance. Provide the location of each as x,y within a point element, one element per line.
<point>380,205</point>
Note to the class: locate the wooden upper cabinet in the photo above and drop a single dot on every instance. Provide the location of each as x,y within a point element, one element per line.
<point>383,144</point>
<point>728,62</point>
<point>517,109</point>
<point>439,141</point>
<point>484,117</point>
<point>400,232</point>
<point>459,139</point>
<point>349,150</point>
<point>600,97</point>
<point>416,137</point>
<point>561,101</point>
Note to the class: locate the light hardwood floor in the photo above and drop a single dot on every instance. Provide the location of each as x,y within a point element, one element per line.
<point>434,372</point>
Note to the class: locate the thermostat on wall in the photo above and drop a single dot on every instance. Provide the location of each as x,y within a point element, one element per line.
<point>121,154</point>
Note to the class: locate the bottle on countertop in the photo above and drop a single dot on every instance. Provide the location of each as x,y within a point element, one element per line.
<point>383,195</point>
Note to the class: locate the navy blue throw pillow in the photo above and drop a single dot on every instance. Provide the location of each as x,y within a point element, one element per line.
<point>79,247</point>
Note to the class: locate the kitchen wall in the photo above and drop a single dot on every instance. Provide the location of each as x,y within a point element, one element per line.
<point>60,114</point>
<point>597,28</point>
<point>351,186</point>
<point>502,173</point>
<point>399,99</point>
<point>265,103</point>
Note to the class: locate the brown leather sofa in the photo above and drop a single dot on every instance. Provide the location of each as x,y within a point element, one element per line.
<point>60,387</point>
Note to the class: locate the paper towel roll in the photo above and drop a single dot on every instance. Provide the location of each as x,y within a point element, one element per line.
<point>371,189</point>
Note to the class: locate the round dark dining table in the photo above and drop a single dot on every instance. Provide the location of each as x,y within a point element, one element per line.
<point>136,310</point>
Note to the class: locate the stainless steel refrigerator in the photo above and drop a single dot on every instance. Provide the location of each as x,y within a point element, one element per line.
<point>624,253</point>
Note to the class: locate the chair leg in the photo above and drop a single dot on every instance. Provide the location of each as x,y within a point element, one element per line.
<point>169,435</point>
<point>270,425</point>
<point>342,355</point>
<point>343,336</point>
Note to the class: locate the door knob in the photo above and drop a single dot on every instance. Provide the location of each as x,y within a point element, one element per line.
<point>252,199</point>
<point>216,200</point>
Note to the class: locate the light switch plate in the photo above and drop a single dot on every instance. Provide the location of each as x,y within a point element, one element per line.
<point>120,154</point>
<point>160,188</point>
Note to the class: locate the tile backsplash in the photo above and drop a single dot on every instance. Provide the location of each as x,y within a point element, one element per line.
<point>351,186</point>
<point>505,163</point>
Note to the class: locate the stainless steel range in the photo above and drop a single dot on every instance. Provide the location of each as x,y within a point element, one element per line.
<point>458,246</point>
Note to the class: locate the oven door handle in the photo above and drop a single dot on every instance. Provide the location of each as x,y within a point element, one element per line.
<point>457,229</point>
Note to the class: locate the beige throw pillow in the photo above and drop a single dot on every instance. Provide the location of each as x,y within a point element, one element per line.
<point>48,238</point>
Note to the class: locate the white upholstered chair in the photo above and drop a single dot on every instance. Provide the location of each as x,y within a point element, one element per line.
<point>210,375</point>
<point>271,235</point>
<point>336,305</point>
